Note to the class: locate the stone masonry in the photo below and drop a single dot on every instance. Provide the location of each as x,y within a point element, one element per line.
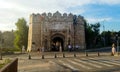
<point>56,29</point>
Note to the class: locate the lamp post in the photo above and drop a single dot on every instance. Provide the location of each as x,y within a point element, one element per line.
<point>2,41</point>
<point>74,26</point>
<point>117,39</point>
<point>104,33</point>
<point>1,51</point>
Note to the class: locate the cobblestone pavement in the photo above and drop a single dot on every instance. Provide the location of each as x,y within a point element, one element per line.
<point>81,63</point>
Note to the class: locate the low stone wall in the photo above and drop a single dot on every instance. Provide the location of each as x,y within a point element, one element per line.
<point>10,67</point>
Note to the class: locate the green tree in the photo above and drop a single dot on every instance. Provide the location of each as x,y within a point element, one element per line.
<point>88,35</point>
<point>95,28</point>
<point>8,37</point>
<point>0,35</point>
<point>110,37</point>
<point>21,34</point>
<point>96,35</point>
<point>91,34</point>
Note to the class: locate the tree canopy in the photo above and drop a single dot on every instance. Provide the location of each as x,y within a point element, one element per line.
<point>8,37</point>
<point>92,34</point>
<point>21,34</point>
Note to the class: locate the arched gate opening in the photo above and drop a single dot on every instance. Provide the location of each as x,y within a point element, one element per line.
<point>57,42</point>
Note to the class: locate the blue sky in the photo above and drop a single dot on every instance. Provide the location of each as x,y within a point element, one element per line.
<point>107,15</point>
<point>107,12</point>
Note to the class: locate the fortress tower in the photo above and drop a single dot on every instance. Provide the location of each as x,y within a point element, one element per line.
<point>60,30</point>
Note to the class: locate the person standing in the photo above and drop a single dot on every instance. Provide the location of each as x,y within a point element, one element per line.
<point>113,49</point>
<point>23,49</point>
<point>60,48</point>
<point>69,47</point>
<point>42,49</point>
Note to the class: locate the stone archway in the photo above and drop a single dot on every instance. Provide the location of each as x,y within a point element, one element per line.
<point>57,42</point>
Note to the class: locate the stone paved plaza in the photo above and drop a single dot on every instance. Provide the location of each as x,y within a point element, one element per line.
<point>81,63</point>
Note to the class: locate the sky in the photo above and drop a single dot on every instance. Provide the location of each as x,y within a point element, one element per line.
<point>106,12</point>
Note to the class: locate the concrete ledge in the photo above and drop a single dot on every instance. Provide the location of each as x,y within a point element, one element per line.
<point>10,67</point>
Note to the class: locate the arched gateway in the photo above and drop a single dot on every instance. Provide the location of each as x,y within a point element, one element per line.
<point>57,42</point>
<point>53,32</point>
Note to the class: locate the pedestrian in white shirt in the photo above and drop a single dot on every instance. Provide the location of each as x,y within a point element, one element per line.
<point>113,49</point>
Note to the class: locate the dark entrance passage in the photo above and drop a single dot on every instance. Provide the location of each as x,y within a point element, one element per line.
<point>57,44</point>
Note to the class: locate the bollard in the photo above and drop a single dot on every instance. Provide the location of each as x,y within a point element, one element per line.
<point>1,57</point>
<point>42,56</point>
<point>98,54</point>
<point>55,55</point>
<point>63,55</point>
<point>29,57</point>
<point>74,55</point>
<point>86,53</point>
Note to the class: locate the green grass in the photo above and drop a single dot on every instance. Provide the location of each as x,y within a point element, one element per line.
<point>6,61</point>
<point>10,49</point>
<point>1,65</point>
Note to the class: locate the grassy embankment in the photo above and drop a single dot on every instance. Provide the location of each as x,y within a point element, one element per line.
<point>4,62</point>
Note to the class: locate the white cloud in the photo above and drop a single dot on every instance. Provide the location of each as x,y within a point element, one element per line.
<point>11,10</point>
<point>7,27</point>
<point>4,4</point>
<point>95,20</point>
<point>109,2</point>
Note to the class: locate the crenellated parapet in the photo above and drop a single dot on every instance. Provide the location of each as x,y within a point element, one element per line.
<point>57,16</point>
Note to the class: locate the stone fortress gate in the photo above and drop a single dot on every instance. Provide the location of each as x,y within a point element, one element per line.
<point>54,32</point>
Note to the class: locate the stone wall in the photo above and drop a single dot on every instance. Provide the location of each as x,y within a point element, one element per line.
<point>41,26</point>
<point>10,67</point>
